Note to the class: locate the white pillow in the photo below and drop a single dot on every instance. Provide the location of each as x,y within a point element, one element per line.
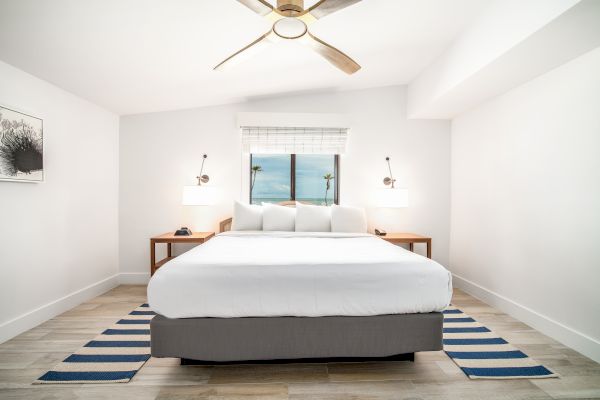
<point>278,218</point>
<point>247,217</point>
<point>312,218</point>
<point>348,219</point>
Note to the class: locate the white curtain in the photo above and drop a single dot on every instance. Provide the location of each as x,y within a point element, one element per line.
<point>293,140</point>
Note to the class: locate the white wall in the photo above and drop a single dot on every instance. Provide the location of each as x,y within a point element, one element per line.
<point>161,152</point>
<point>501,26</point>
<point>58,239</point>
<point>513,42</point>
<point>525,219</point>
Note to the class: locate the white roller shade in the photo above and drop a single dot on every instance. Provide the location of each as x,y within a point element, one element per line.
<point>294,140</point>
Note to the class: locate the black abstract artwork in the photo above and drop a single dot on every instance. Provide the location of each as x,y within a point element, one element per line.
<point>21,147</point>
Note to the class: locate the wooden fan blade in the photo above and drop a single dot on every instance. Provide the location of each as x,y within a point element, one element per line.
<point>247,51</point>
<point>261,7</point>
<point>325,7</point>
<point>331,54</point>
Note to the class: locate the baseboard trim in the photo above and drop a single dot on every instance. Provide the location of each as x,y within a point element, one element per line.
<point>576,340</point>
<point>134,278</point>
<point>31,319</point>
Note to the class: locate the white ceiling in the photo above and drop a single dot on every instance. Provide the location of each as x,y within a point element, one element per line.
<point>135,56</point>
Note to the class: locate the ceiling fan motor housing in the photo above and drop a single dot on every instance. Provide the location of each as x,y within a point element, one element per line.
<point>290,7</point>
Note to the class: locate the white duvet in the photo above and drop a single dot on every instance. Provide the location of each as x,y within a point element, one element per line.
<point>267,274</point>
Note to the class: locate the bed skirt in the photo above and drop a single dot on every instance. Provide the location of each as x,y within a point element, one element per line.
<point>274,338</point>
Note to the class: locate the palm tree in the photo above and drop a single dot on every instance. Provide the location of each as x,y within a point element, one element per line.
<point>255,170</point>
<point>328,178</point>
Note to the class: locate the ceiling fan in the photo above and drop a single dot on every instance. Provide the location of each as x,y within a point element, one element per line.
<point>290,22</point>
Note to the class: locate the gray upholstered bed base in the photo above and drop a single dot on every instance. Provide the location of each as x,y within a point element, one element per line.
<point>275,338</point>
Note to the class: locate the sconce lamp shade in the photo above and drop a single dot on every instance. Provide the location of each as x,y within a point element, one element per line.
<point>392,198</point>
<point>199,195</point>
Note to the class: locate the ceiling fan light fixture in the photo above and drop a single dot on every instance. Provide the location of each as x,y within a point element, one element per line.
<point>290,28</point>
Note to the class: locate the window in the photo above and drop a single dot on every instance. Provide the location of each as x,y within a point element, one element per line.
<point>310,178</point>
<point>270,178</point>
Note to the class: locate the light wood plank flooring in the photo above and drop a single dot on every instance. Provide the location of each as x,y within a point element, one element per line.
<point>432,376</point>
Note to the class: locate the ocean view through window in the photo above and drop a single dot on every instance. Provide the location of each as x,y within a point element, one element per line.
<point>310,178</point>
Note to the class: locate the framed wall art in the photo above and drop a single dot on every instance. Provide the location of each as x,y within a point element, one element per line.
<point>21,146</point>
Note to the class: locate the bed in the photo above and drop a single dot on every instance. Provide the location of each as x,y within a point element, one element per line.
<point>257,296</point>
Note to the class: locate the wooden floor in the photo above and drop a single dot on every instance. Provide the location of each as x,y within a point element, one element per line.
<point>432,376</point>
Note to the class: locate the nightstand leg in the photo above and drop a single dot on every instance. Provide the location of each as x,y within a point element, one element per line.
<point>169,250</point>
<point>152,257</point>
<point>411,246</point>
<point>429,249</point>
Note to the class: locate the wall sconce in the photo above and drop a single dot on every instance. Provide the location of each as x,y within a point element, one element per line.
<point>389,180</point>
<point>392,197</point>
<point>203,178</point>
<point>199,195</point>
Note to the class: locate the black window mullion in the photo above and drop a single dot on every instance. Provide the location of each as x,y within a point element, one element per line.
<point>293,177</point>
<point>250,181</point>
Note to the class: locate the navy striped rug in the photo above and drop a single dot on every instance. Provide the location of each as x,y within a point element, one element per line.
<point>121,350</point>
<point>481,354</point>
<point>114,356</point>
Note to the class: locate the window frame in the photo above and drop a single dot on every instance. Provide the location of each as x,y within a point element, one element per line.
<point>336,174</point>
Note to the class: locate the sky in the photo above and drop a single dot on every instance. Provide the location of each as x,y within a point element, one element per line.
<point>274,179</point>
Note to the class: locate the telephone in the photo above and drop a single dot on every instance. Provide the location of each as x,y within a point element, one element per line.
<point>380,232</point>
<point>183,231</point>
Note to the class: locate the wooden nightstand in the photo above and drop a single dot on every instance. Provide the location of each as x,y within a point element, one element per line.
<point>169,239</point>
<point>410,238</point>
